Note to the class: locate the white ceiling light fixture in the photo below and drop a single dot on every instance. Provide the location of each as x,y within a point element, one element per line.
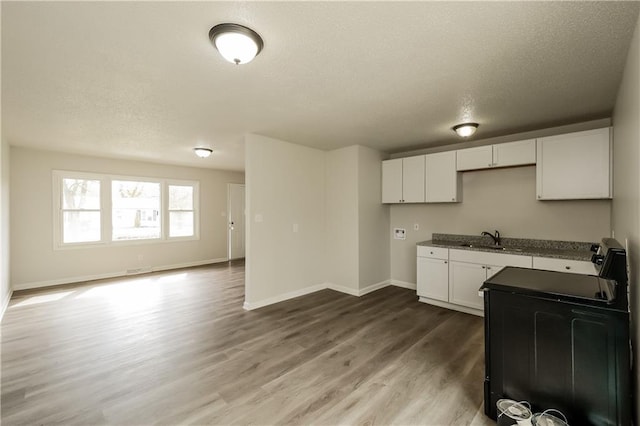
<point>202,152</point>
<point>236,43</point>
<point>465,130</point>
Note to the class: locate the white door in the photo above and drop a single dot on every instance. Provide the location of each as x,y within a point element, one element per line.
<point>392,181</point>
<point>574,166</point>
<point>413,179</point>
<point>441,177</point>
<point>235,217</point>
<point>477,158</point>
<point>465,280</point>
<point>433,278</point>
<point>514,153</point>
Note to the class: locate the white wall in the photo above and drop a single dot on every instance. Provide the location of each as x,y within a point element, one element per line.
<point>5,283</point>
<point>285,185</point>
<point>626,183</point>
<point>34,262</point>
<point>342,218</point>
<point>357,223</point>
<point>373,223</point>
<point>503,199</point>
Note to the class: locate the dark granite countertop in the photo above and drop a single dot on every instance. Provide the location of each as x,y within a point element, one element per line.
<point>571,250</point>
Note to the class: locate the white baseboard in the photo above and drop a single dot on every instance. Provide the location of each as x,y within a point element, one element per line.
<point>374,287</point>
<point>403,284</point>
<point>342,289</point>
<point>189,264</point>
<point>331,286</point>
<point>5,305</point>
<point>282,297</point>
<point>357,292</point>
<point>78,279</point>
<point>447,305</point>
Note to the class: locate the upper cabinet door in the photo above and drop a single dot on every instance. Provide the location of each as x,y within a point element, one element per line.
<point>475,158</point>
<point>442,179</point>
<point>514,153</point>
<point>392,181</point>
<point>574,166</point>
<point>413,179</point>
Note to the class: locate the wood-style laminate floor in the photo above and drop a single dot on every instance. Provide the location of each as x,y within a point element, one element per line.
<point>178,348</point>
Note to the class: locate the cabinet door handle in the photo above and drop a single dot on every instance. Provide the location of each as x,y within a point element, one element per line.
<point>567,267</point>
<point>490,164</point>
<point>484,267</point>
<point>445,262</point>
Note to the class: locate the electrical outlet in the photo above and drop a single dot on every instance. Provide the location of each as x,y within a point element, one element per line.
<point>416,227</point>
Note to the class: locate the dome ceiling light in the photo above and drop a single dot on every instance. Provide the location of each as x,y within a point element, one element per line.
<point>202,152</point>
<point>236,43</point>
<point>465,130</point>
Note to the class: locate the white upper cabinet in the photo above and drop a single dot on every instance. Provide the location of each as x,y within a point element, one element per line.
<point>442,179</point>
<point>514,153</point>
<point>574,166</point>
<point>403,180</point>
<point>413,179</point>
<point>392,181</point>
<point>475,158</point>
<point>500,155</point>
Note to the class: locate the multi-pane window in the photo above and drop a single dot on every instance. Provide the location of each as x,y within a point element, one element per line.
<point>103,209</point>
<point>181,211</point>
<point>80,210</point>
<point>135,210</point>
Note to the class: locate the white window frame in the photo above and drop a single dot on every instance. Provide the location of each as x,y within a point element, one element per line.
<point>112,178</point>
<point>106,209</point>
<point>196,209</point>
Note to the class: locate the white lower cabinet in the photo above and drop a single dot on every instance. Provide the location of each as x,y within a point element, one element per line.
<point>452,278</point>
<point>433,273</point>
<point>433,278</point>
<point>464,281</point>
<point>563,265</point>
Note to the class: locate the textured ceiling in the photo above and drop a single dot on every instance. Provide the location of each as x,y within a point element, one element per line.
<point>140,79</point>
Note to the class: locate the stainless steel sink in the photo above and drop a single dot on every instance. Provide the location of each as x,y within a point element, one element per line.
<point>482,246</point>
<point>489,247</point>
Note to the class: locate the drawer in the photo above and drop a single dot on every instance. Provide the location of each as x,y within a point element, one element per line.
<point>486,258</point>
<point>433,252</point>
<point>564,265</point>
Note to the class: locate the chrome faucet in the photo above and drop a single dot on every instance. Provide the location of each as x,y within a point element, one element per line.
<point>495,238</point>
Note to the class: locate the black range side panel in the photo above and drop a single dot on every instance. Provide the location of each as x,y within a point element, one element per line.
<point>557,355</point>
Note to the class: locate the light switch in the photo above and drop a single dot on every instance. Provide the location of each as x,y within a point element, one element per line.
<point>416,227</point>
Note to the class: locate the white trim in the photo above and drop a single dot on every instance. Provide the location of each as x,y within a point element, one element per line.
<point>403,284</point>
<point>342,289</point>
<point>452,306</point>
<point>78,279</point>
<point>281,298</point>
<point>374,287</point>
<point>188,264</point>
<point>331,286</point>
<point>5,305</point>
<point>106,209</point>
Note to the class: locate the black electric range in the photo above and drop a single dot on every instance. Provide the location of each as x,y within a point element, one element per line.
<point>572,288</point>
<point>561,340</point>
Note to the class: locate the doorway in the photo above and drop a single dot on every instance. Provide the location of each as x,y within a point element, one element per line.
<point>235,220</point>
